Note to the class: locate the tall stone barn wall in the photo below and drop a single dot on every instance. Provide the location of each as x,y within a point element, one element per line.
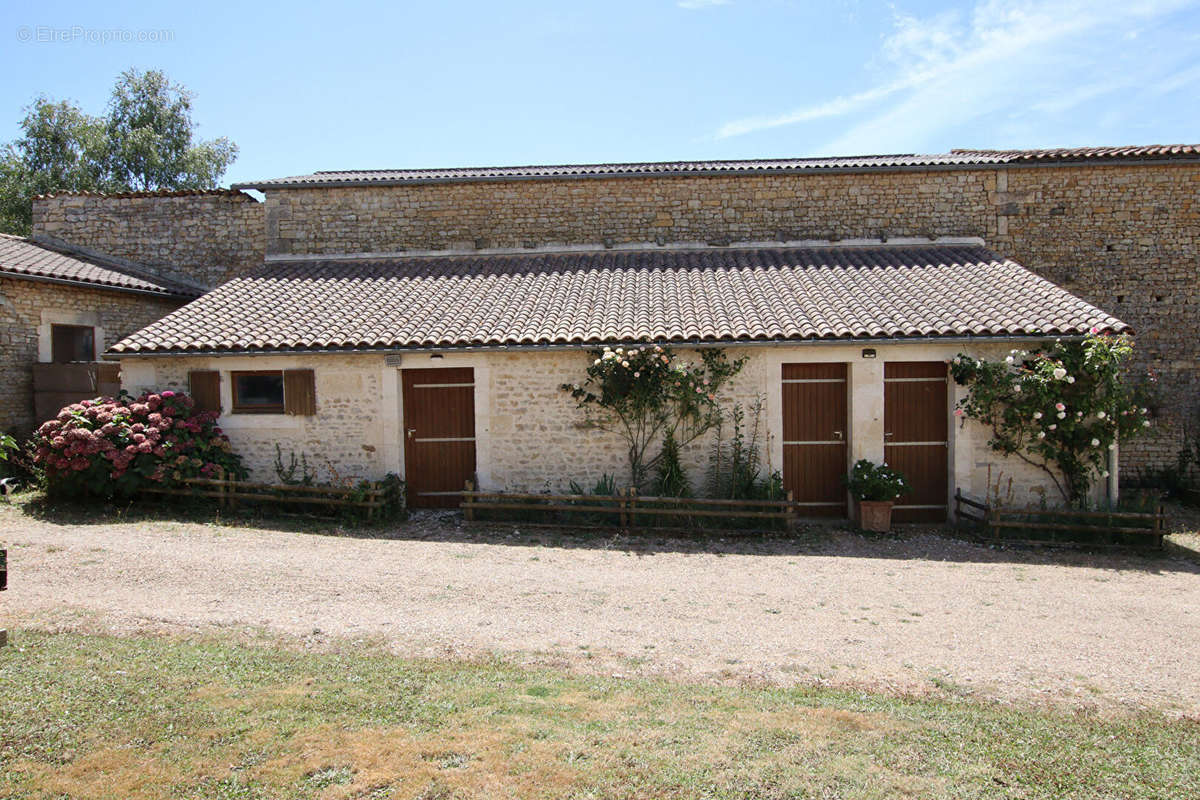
<point>204,237</point>
<point>1125,237</point>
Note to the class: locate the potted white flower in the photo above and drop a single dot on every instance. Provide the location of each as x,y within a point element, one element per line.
<point>875,487</point>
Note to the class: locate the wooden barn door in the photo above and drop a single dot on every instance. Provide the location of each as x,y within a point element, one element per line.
<point>814,437</point>
<point>916,424</point>
<point>439,434</point>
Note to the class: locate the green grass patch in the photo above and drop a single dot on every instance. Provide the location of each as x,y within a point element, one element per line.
<point>157,717</point>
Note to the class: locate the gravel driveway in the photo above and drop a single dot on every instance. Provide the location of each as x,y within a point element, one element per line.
<point>912,614</point>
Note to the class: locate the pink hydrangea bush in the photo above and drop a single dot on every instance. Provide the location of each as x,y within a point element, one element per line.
<point>110,447</point>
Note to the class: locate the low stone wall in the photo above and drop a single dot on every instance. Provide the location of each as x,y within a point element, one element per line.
<point>27,308</point>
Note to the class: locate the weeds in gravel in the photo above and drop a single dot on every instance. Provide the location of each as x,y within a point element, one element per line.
<point>158,717</point>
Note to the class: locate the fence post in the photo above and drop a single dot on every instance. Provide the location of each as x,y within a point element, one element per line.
<point>468,510</point>
<point>632,503</point>
<point>793,517</point>
<point>624,505</point>
<point>1158,525</point>
<point>222,490</point>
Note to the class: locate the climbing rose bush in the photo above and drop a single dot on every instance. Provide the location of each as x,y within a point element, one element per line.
<point>651,398</point>
<point>1061,409</point>
<point>110,447</point>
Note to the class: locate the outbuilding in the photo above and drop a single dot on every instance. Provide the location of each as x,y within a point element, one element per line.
<point>447,367</point>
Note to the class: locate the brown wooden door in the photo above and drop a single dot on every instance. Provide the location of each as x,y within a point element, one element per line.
<point>439,434</point>
<point>814,437</point>
<point>916,424</point>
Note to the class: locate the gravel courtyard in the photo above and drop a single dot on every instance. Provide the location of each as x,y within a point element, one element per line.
<point>913,613</point>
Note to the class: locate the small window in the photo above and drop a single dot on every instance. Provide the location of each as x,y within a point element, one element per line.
<point>72,343</point>
<point>258,392</point>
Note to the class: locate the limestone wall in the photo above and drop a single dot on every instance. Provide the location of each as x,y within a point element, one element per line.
<point>28,308</point>
<point>204,237</point>
<point>1124,237</point>
<point>531,437</point>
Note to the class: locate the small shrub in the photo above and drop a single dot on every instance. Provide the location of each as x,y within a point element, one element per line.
<point>105,448</point>
<point>670,480</point>
<point>874,482</point>
<point>287,474</point>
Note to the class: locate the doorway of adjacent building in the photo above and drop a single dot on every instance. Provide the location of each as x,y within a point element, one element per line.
<point>439,434</point>
<point>814,437</point>
<point>916,424</point>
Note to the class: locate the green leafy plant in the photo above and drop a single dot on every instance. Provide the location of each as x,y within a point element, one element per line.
<point>735,467</point>
<point>110,447</point>
<point>1060,409</point>
<point>287,473</point>
<point>645,393</point>
<point>670,479</point>
<point>875,482</point>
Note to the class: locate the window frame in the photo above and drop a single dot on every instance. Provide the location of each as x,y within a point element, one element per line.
<point>240,408</point>
<point>91,333</point>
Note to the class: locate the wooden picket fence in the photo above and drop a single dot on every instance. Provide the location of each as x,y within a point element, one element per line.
<point>626,509</point>
<point>1064,528</point>
<point>228,494</point>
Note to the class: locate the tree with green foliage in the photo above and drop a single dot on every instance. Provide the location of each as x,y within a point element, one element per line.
<point>145,141</point>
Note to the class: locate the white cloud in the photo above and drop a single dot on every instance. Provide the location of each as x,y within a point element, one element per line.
<point>694,4</point>
<point>1004,55</point>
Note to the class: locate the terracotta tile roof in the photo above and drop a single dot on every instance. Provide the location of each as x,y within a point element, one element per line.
<point>953,159</point>
<point>702,295</point>
<point>25,258</point>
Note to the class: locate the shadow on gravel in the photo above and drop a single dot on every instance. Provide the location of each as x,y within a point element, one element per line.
<point>817,540</point>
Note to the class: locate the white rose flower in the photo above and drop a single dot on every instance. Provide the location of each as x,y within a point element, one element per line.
<point>1041,434</point>
<point>1145,411</point>
<point>1037,415</point>
<point>1053,427</point>
<point>1100,415</point>
<point>1008,360</point>
<point>1017,388</point>
<point>1062,414</point>
<point>1070,379</point>
<point>597,362</point>
<point>1060,373</point>
<point>1095,442</point>
<point>1145,423</point>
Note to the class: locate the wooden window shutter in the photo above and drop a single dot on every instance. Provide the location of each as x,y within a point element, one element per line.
<point>299,392</point>
<point>205,386</point>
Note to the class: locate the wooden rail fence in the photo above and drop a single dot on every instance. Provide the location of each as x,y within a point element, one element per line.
<point>228,493</point>
<point>625,508</point>
<point>3,587</point>
<point>1121,529</point>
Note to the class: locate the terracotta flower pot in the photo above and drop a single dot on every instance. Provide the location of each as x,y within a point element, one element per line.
<point>875,515</point>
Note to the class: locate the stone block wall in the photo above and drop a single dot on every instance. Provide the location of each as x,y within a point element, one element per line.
<point>26,306</point>
<point>1123,237</point>
<point>202,237</point>
<point>343,440</point>
<point>530,436</point>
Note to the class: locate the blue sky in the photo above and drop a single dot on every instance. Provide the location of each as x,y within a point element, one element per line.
<point>359,85</point>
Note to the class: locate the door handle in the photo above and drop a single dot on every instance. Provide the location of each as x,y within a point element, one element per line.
<point>411,431</point>
<point>837,434</point>
<point>886,435</point>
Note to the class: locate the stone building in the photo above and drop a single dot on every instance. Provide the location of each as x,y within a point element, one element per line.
<point>1117,227</point>
<point>61,304</point>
